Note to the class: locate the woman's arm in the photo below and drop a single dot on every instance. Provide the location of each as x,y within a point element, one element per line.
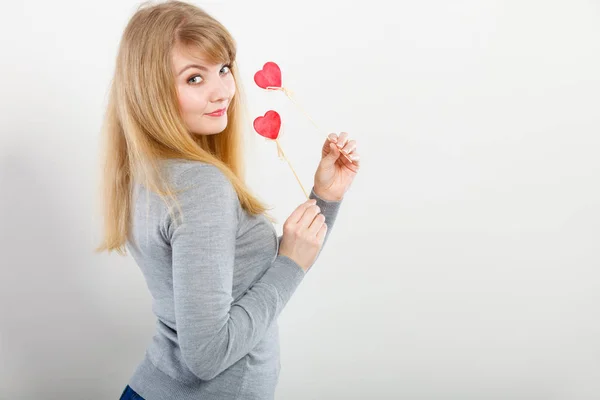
<point>214,332</point>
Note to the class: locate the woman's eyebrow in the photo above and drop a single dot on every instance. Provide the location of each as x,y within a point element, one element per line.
<point>192,66</point>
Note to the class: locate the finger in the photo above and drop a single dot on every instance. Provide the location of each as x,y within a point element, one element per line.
<point>322,232</point>
<point>309,215</point>
<point>341,142</point>
<point>327,147</point>
<point>354,164</point>
<point>349,147</point>
<point>316,224</point>
<point>334,152</point>
<point>330,156</point>
<point>297,214</point>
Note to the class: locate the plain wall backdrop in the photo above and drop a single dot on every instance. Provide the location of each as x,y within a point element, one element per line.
<point>465,260</point>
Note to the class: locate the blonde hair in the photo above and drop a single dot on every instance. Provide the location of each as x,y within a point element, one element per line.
<point>142,123</point>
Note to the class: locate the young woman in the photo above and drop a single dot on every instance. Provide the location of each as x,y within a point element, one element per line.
<point>174,197</point>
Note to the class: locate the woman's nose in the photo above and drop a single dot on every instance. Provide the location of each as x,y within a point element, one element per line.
<point>218,91</point>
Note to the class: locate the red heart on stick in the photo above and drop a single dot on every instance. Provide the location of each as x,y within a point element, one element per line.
<point>270,75</point>
<point>269,125</point>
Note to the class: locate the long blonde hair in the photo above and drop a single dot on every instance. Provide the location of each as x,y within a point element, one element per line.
<point>143,125</point>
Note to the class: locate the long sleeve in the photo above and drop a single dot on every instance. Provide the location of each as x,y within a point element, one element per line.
<point>214,332</point>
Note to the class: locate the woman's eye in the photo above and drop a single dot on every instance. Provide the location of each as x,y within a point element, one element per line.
<point>226,69</point>
<point>193,77</point>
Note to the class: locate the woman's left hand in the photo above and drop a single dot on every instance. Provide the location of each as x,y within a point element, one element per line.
<point>335,172</point>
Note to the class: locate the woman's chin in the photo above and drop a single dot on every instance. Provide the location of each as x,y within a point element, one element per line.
<point>213,130</point>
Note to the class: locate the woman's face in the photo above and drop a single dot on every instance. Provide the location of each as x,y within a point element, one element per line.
<point>204,90</point>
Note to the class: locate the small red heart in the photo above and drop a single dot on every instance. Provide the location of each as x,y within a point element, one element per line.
<point>270,75</point>
<point>269,125</point>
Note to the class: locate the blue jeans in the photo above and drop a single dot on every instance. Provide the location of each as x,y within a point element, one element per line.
<point>130,394</point>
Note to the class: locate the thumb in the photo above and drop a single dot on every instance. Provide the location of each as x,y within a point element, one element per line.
<point>333,155</point>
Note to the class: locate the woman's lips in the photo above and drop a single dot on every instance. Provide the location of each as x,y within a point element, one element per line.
<point>217,113</point>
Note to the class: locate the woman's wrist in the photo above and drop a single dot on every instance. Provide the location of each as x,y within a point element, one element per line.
<point>324,196</point>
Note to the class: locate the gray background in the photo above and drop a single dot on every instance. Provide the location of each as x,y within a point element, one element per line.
<point>464,263</point>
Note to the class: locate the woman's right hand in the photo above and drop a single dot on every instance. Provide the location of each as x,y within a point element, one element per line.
<point>303,234</point>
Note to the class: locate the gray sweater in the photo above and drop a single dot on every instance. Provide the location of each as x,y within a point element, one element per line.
<point>217,285</point>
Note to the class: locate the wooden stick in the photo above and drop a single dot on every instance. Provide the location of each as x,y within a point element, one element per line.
<point>280,150</point>
<point>288,94</point>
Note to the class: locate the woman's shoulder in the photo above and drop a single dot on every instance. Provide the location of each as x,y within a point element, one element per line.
<point>183,173</point>
<point>203,192</point>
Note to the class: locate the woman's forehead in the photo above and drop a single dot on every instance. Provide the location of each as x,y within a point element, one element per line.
<point>192,55</point>
<point>189,53</point>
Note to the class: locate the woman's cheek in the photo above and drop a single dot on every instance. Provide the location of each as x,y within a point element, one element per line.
<point>231,86</point>
<point>184,101</point>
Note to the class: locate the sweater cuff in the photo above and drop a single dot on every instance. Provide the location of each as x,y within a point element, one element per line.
<point>328,208</point>
<point>285,275</point>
